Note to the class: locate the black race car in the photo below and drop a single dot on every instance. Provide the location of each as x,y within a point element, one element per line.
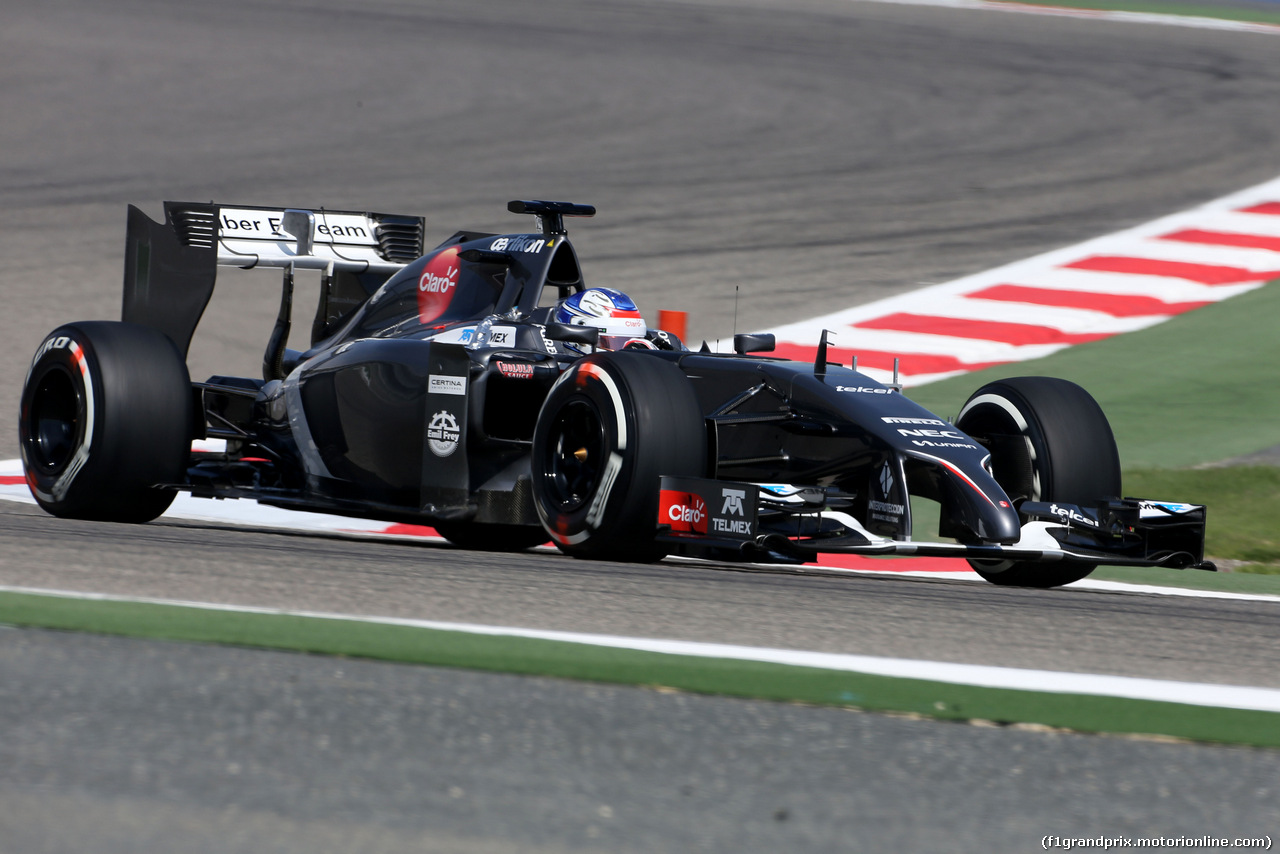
<point>441,389</point>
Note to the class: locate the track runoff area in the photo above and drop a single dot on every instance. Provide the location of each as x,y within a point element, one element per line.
<point>1114,284</point>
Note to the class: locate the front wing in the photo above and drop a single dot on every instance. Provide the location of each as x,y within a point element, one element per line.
<point>779,523</point>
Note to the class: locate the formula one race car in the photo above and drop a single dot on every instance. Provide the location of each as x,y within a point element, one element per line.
<point>480,388</point>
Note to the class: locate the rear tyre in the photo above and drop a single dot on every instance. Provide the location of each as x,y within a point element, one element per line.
<point>1049,441</point>
<point>106,415</point>
<point>491,538</point>
<point>612,426</point>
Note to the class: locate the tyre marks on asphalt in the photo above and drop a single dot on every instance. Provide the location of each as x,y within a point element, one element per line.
<point>1114,284</point>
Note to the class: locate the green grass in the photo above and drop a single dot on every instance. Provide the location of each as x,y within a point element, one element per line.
<point>729,677</point>
<point>1196,389</point>
<point>1237,581</point>
<point>1244,506</point>
<point>1191,9</point>
<point>1200,388</point>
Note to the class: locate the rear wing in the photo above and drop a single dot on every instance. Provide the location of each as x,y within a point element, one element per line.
<point>170,267</point>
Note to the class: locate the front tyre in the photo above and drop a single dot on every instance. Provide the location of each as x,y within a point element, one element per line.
<point>106,415</point>
<point>610,428</point>
<point>1049,441</point>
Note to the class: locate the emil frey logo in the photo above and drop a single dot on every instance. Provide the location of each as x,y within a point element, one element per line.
<point>443,434</point>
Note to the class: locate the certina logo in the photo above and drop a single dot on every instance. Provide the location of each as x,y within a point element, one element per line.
<point>934,421</point>
<point>862,389</point>
<point>519,244</point>
<point>438,384</point>
<point>516,370</point>
<point>443,433</point>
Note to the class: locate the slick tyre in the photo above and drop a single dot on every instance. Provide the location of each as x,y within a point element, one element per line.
<point>1049,441</point>
<point>610,428</point>
<point>106,414</point>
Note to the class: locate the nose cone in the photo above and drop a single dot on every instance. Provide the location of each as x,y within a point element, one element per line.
<point>981,504</point>
<point>1000,524</point>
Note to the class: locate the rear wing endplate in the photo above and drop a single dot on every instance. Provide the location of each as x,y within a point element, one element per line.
<point>170,267</point>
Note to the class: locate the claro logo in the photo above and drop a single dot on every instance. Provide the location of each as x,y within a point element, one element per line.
<point>437,284</point>
<point>433,283</point>
<point>685,512</point>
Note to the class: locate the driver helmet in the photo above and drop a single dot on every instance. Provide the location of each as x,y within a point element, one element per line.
<point>610,311</point>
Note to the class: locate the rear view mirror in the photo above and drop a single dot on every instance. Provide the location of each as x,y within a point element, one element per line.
<point>573,334</point>
<point>756,342</point>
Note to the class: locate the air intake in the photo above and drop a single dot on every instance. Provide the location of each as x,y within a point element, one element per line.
<point>198,228</point>
<point>399,238</point>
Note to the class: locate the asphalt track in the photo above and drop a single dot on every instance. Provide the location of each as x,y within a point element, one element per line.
<point>811,154</point>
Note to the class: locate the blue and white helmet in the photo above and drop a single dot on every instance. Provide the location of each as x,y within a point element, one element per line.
<point>610,311</point>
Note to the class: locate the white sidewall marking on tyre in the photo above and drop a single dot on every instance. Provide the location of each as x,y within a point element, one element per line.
<point>1007,406</point>
<point>63,483</point>
<point>999,401</point>
<point>595,513</point>
<point>620,414</point>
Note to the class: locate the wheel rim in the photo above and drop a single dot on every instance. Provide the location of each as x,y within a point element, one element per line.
<point>54,421</point>
<point>575,456</point>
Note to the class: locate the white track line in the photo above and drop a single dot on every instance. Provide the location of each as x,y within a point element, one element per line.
<point>1190,21</point>
<point>1032,308</point>
<point>1190,693</point>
